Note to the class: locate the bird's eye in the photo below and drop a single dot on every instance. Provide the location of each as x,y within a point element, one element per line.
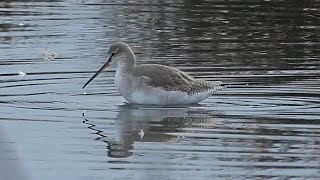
<point>112,54</point>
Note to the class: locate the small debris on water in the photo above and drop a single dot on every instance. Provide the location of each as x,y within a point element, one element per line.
<point>84,93</point>
<point>21,24</point>
<point>141,133</point>
<point>48,55</point>
<point>20,73</point>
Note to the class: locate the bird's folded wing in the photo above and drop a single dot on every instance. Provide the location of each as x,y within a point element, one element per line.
<point>164,77</point>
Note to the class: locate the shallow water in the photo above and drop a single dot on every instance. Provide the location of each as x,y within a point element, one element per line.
<point>264,125</point>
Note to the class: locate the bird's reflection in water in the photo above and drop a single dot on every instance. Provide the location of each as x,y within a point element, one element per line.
<point>148,124</point>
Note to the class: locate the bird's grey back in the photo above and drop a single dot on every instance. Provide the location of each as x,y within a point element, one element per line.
<point>172,79</point>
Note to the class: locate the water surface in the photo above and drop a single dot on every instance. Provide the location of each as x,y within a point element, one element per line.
<point>264,125</point>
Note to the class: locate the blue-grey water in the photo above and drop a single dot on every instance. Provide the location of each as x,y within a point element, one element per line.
<point>264,125</point>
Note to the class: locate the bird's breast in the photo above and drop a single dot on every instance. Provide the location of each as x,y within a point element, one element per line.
<point>124,83</point>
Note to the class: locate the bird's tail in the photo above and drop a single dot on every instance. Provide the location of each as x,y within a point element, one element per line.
<point>216,85</point>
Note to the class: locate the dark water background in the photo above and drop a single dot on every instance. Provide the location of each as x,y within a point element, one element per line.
<point>264,125</point>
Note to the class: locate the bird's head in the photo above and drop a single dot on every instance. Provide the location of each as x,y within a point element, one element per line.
<point>116,55</point>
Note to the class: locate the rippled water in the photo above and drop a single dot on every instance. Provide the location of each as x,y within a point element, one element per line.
<point>264,125</point>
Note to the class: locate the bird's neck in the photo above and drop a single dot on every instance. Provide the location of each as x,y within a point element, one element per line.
<point>127,63</point>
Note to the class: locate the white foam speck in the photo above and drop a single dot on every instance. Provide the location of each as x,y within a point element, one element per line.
<point>20,73</point>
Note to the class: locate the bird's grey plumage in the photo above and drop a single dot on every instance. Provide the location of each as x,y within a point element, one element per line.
<point>172,79</point>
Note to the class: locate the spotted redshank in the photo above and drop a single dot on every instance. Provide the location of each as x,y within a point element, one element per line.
<point>154,84</point>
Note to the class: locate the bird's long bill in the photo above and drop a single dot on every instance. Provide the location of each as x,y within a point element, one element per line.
<point>107,64</point>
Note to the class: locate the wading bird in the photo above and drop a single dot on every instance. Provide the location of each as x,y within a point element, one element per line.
<point>153,84</point>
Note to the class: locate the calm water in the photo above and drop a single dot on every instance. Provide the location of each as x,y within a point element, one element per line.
<point>264,125</point>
